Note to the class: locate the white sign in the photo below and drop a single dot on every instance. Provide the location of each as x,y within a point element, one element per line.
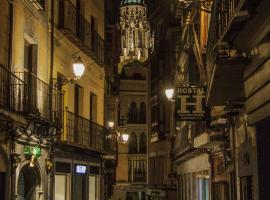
<point>80,169</point>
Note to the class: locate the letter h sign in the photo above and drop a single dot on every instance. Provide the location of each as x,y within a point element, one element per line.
<point>190,103</point>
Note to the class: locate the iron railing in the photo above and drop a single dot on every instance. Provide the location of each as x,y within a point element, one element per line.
<point>12,91</point>
<point>79,31</point>
<point>43,100</point>
<point>223,13</point>
<point>137,170</point>
<point>85,133</point>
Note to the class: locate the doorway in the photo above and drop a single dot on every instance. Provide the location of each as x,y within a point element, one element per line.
<point>263,156</point>
<point>28,183</point>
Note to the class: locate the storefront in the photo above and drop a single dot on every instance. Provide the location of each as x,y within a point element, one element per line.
<point>194,178</point>
<point>77,180</point>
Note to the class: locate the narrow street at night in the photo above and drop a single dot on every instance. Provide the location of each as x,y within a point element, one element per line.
<point>135,100</point>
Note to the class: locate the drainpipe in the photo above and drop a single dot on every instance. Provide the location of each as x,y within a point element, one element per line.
<point>10,34</point>
<point>12,142</point>
<point>51,175</point>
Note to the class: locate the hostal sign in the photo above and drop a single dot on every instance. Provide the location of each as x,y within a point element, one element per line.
<point>190,103</point>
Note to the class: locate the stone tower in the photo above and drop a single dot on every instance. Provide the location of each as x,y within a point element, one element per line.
<point>135,31</point>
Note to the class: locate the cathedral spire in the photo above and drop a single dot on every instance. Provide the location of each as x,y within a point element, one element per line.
<point>135,31</point>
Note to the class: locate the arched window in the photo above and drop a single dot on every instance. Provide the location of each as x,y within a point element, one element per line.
<point>132,147</point>
<point>142,113</point>
<point>132,116</point>
<point>140,39</point>
<point>143,143</point>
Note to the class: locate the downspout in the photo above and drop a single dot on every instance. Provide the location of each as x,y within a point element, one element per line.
<point>12,141</point>
<point>10,43</point>
<point>51,175</point>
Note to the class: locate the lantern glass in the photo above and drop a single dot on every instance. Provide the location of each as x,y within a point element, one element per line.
<point>169,93</point>
<point>78,68</point>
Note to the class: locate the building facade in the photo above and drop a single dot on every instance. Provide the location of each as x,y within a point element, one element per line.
<point>223,156</point>
<point>53,138</point>
<point>161,184</point>
<point>131,174</point>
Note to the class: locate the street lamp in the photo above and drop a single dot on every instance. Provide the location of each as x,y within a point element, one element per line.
<point>169,92</point>
<point>78,68</point>
<point>111,125</point>
<point>124,137</point>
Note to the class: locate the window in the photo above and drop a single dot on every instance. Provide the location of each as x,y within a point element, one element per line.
<point>142,113</point>
<point>133,143</point>
<point>93,107</point>
<point>30,68</point>
<point>203,189</point>
<point>94,187</point>
<point>143,143</point>
<point>93,33</point>
<point>132,117</point>
<point>61,187</point>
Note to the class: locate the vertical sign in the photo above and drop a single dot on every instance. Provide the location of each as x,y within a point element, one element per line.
<point>190,103</point>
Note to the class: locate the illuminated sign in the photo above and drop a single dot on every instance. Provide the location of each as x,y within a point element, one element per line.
<point>190,103</point>
<point>80,169</point>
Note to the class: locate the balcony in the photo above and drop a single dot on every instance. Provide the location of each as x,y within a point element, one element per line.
<point>24,93</point>
<point>82,132</point>
<point>80,32</point>
<point>41,100</point>
<point>137,170</point>
<point>223,61</point>
<point>12,91</point>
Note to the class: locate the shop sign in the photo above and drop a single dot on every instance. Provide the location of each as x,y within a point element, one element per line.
<point>80,169</point>
<point>190,103</point>
<point>29,151</point>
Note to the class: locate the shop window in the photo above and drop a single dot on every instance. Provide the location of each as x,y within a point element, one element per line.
<point>60,187</point>
<point>94,187</point>
<point>203,189</point>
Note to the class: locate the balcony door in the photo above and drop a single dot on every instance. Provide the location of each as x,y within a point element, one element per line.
<point>76,112</point>
<point>93,118</point>
<point>93,107</point>
<point>29,76</point>
<point>93,34</point>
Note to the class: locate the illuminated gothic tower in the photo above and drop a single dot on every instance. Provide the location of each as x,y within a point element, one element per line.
<point>135,31</point>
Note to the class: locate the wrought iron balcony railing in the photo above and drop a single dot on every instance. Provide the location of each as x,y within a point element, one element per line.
<point>137,170</point>
<point>41,99</point>
<point>87,134</point>
<point>224,13</point>
<point>80,32</point>
<point>25,93</point>
<point>12,91</point>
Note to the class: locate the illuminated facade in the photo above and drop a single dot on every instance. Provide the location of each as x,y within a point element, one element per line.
<point>135,31</point>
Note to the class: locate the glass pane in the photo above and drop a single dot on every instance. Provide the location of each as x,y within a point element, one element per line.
<point>60,187</point>
<point>92,188</point>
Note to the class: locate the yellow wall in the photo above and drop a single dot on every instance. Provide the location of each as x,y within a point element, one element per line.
<point>34,26</point>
